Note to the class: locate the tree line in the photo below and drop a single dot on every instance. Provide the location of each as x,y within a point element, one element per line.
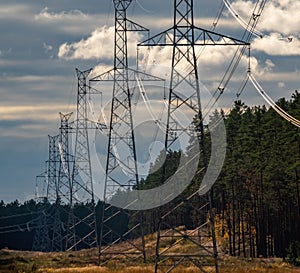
<point>256,199</point>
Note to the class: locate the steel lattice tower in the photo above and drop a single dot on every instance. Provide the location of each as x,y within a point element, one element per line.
<point>121,112</point>
<point>52,177</point>
<point>65,158</point>
<point>81,188</point>
<point>41,240</point>
<point>183,37</point>
<point>53,194</point>
<point>48,235</point>
<point>68,181</point>
<point>64,176</point>
<point>57,236</point>
<point>120,133</point>
<point>121,165</point>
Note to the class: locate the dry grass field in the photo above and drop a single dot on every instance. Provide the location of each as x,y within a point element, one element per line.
<point>149,269</point>
<point>85,262</point>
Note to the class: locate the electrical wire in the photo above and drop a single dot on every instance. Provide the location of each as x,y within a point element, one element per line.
<point>154,117</point>
<point>258,9</point>
<point>270,101</point>
<point>146,100</point>
<point>144,9</point>
<point>216,122</point>
<point>240,20</point>
<point>248,33</point>
<point>17,215</point>
<point>266,97</point>
<point>18,227</point>
<point>114,147</point>
<point>214,25</point>
<point>218,16</point>
<point>92,111</point>
<point>64,163</point>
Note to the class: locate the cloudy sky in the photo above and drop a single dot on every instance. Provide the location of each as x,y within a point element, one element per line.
<point>42,42</point>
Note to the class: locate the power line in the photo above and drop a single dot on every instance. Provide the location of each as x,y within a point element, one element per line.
<point>17,215</point>
<point>247,35</point>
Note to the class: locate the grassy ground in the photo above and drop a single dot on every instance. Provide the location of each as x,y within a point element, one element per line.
<point>179,270</point>
<point>85,262</point>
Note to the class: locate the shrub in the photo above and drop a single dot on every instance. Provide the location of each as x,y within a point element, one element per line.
<point>293,253</point>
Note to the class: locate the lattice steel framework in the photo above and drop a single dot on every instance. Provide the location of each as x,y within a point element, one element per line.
<point>41,240</point>
<point>65,178</point>
<point>48,235</point>
<point>184,95</point>
<point>52,172</point>
<point>65,158</point>
<point>68,180</point>
<point>57,235</point>
<point>53,194</point>
<point>121,166</point>
<point>81,188</point>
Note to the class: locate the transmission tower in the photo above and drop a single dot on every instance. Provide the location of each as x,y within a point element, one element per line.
<point>68,181</point>
<point>121,165</point>
<point>48,234</point>
<point>184,36</point>
<point>64,176</point>
<point>41,240</point>
<point>52,174</point>
<point>81,188</point>
<point>53,194</point>
<point>65,158</point>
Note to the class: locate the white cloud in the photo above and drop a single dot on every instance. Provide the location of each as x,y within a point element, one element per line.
<point>275,45</point>
<point>213,62</point>
<point>279,22</point>
<point>70,22</point>
<point>45,15</point>
<point>162,23</point>
<point>290,77</point>
<point>99,69</point>
<point>99,45</point>
<point>280,16</point>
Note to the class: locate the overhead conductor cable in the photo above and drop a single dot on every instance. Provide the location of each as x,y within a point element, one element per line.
<point>269,100</point>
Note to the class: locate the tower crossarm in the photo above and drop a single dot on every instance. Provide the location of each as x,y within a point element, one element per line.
<point>132,26</point>
<point>132,73</point>
<point>195,35</point>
